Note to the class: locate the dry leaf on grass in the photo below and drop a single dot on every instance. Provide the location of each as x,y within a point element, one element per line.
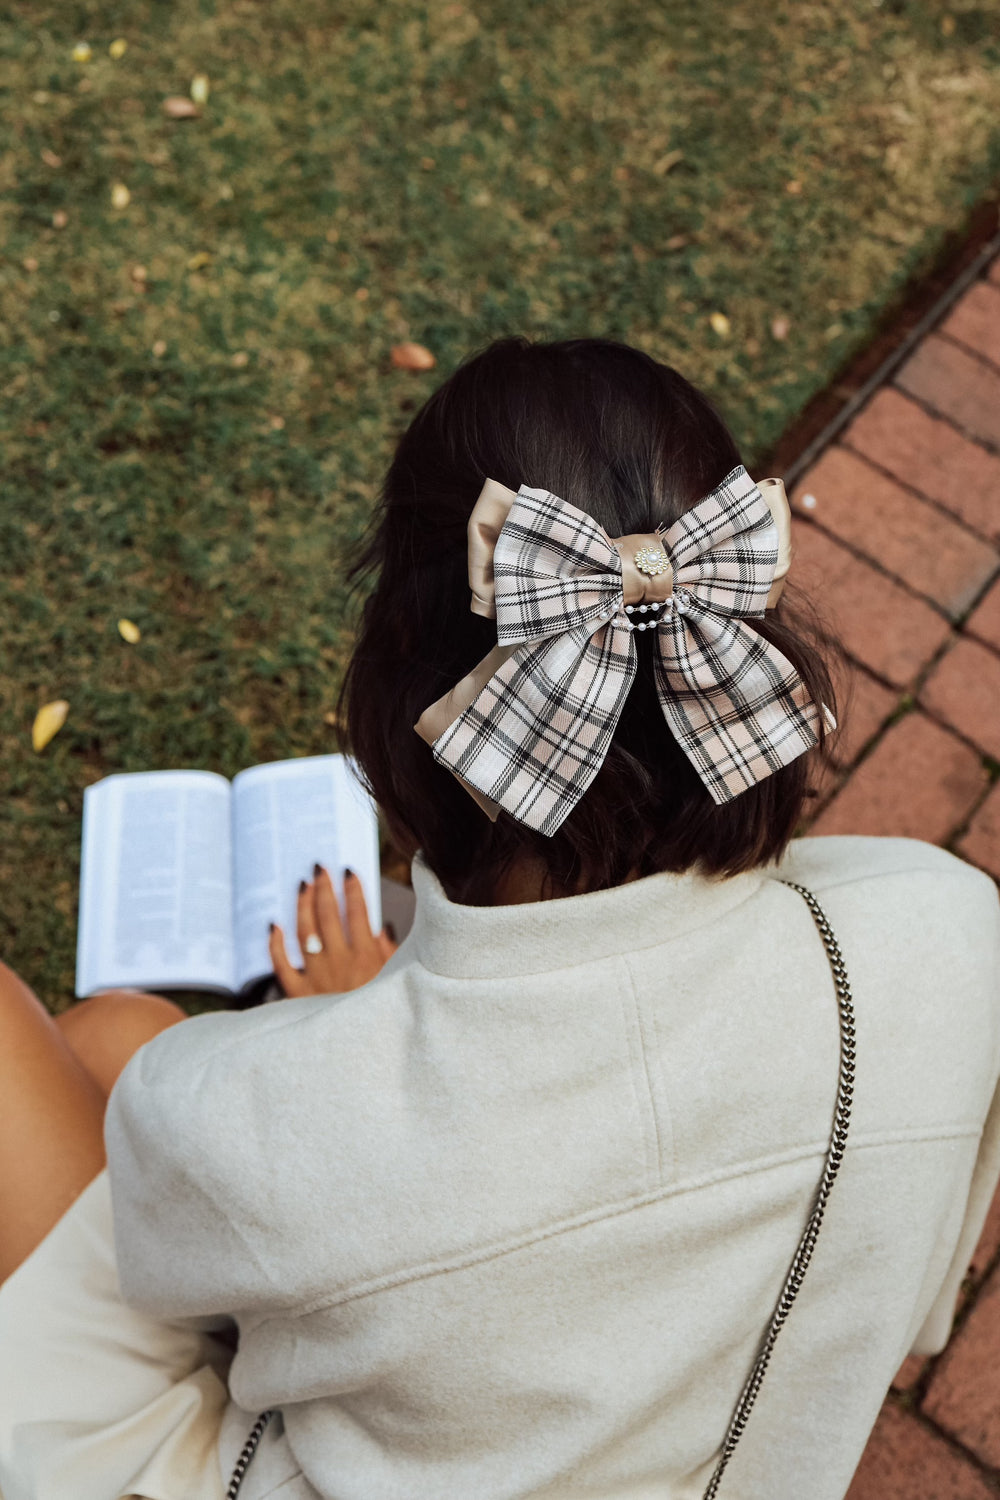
<point>60,219</point>
<point>49,719</point>
<point>412,357</point>
<point>199,88</point>
<point>663,166</point>
<point>118,48</point>
<point>176,107</point>
<point>50,158</point>
<point>720,324</point>
<point>120,195</point>
<point>199,260</point>
<point>129,632</point>
<point>779,328</point>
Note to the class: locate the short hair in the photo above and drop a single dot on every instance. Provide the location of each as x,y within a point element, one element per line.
<point>631,442</point>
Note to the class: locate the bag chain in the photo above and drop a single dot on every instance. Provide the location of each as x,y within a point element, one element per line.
<point>802,1256</point>
<point>249,1449</point>
<point>834,1156</point>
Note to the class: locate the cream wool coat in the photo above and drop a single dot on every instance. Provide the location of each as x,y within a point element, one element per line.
<point>510,1221</point>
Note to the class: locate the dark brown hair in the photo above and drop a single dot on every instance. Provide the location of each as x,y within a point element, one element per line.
<point>632,443</point>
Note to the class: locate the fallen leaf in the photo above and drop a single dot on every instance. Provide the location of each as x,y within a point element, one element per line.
<point>412,357</point>
<point>49,719</point>
<point>60,219</point>
<point>199,88</point>
<point>332,236</point>
<point>240,360</point>
<point>120,195</point>
<point>199,260</point>
<point>176,107</point>
<point>427,163</point>
<point>947,25</point>
<point>139,273</point>
<point>159,348</point>
<point>277,423</point>
<point>118,48</point>
<point>331,719</point>
<point>128,631</point>
<point>362,294</point>
<point>677,242</point>
<point>30,264</point>
<point>720,324</point>
<point>40,96</point>
<point>663,166</point>
<point>794,187</point>
<point>82,52</point>
<point>50,158</point>
<point>779,328</point>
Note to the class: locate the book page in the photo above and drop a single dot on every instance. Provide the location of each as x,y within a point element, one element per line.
<point>156,882</point>
<point>287,816</point>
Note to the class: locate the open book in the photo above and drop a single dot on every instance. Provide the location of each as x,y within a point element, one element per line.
<point>182,871</point>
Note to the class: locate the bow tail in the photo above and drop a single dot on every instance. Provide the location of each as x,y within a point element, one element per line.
<point>737,707</point>
<point>537,733</point>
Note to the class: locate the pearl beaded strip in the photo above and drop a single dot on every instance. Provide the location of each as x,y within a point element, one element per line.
<point>676,603</point>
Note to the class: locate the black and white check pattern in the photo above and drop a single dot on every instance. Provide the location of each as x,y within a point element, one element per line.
<point>537,734</point>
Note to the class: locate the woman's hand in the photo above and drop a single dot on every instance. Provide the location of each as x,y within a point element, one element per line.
<point>351,953</point>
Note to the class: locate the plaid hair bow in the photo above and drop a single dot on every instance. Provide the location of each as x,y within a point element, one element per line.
<point>528,729</point>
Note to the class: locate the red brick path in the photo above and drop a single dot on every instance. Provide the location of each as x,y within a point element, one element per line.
<point>900,523</point>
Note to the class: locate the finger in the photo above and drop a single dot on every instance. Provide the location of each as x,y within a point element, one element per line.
<point>328,923</point>
<point>359,931</point>
<point>290,979</point>
<point>385,945</point>
<point>305,918</point>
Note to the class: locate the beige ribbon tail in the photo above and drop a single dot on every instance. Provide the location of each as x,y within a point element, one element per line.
<point>485,524</point>
<point>773,491</point>
<point>440,715</point>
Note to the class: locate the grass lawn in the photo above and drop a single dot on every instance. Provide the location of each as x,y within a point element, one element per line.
<point>197,314</point>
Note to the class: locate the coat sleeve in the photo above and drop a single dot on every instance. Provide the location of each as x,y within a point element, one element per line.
<point>936,1327</point>
<point>185,1131</point>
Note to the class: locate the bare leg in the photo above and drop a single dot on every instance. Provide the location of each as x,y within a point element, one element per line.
<point>107,1029</point>
<point>51,1115</point>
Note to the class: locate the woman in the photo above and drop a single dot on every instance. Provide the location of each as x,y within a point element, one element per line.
<point>514,1218</point>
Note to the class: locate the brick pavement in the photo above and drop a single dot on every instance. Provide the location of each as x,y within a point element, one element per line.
<point>900,521</point>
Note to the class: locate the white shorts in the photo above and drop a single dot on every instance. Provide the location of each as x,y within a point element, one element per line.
<point>98,1401</point>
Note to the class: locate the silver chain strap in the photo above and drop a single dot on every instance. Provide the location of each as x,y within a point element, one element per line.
<point>834,1156</point>
<point>248,1451</point>
<point>800,1261</point>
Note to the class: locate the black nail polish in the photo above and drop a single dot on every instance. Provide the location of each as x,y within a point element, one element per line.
<point>302,887</point>
<point>391,931</point>
<point>350,874</point>
<point>272,926</point>
<point>317,870</point>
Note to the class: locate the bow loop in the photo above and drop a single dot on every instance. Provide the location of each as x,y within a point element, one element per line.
<point>725,551</point>
<point>554,570</point>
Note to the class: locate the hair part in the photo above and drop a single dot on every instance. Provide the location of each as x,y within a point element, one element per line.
<point>635,445</point>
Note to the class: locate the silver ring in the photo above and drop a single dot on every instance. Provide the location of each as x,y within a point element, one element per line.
<point>314,944</point>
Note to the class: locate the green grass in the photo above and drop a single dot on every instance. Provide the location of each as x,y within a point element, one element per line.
<point>361,175</point>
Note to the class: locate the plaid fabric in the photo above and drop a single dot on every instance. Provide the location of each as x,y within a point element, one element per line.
<point>537,734</point>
